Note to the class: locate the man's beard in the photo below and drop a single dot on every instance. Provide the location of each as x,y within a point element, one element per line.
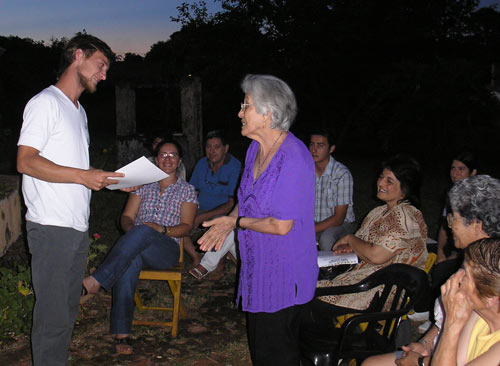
<point>87,84</point>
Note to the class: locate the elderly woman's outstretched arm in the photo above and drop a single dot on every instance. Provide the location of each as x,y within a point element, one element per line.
<point>220,228</point>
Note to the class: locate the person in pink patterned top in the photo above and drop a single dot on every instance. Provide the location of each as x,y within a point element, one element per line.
<point>392,233</point>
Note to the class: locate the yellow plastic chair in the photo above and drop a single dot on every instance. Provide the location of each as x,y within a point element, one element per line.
<point>174,278</point>
<point>429,263</point>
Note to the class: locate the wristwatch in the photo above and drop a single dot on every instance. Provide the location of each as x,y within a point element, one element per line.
<point>238,226</point>
<point>164,230</point>
<point>421,361</point>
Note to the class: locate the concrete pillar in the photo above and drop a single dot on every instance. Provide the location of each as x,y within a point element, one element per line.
<point>10,211</point>
<point>128,146</point>
<point>192,123</point>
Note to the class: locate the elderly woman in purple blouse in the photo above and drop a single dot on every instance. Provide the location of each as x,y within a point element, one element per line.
<point>275,222</point>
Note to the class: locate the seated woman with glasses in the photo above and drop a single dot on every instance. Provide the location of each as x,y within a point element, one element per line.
<point>391,233</point>
<point>155,218</point>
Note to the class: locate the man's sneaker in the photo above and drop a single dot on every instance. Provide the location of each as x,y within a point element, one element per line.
<point>419,317</point>
<point>424,327</point>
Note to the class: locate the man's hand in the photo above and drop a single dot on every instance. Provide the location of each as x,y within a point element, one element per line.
<point>97,179</point>
<point>130,189</point>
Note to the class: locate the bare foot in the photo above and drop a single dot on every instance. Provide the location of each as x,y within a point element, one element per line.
<point>91,285</point>
<point>196,259</point>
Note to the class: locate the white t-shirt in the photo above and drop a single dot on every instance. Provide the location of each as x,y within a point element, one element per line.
<point>53,125</point>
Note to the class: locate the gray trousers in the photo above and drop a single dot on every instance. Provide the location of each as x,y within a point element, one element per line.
<point>211,259</point>
<point>58,260</point>
<point>328,237</point>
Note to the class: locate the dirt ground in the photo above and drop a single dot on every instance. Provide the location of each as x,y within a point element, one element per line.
<point>213,333</point>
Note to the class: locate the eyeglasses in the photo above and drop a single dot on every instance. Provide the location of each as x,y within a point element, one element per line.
<point>244,106</point>
<point>171,155</point>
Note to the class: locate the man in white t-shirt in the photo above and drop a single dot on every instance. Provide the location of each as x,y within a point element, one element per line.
<point>53,156</point>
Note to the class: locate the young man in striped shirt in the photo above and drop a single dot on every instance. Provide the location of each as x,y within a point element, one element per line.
<point>333,210</point>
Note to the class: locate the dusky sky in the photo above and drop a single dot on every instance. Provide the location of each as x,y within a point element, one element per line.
<point>126,25</point>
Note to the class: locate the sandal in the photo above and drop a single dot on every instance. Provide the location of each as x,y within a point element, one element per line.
<point>197,273</point>
<point>125,344</point>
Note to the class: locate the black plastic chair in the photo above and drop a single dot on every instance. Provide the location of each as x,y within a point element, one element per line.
<point>379,329</point>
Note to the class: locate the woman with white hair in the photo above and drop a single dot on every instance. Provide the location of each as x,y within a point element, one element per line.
<point>275,222</point>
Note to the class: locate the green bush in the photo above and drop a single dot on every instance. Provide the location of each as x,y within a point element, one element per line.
<point>16,295</point>
<point>16,301</point>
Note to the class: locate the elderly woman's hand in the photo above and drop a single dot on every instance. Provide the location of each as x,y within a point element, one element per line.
<point>220,228</point>
<point>342,245</point>
<point>457,305</point>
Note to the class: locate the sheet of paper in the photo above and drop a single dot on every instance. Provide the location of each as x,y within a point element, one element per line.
<point>139,172</point>
<point>326,258</point>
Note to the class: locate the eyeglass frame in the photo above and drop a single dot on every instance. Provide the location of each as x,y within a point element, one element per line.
<point>243,106</point>
<point>450,219</point>
<point>171,155</point>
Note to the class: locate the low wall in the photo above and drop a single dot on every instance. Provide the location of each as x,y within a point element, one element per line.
<point>10,211</point>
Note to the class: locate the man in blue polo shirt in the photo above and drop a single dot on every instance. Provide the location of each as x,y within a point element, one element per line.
<point>215,178</point>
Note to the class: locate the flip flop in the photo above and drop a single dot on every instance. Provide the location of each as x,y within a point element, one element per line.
<point>196,273</point>
<point>127,350</point>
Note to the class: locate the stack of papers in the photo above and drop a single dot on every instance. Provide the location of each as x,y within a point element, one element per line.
<point>137,173</point>
<point>326,258</point>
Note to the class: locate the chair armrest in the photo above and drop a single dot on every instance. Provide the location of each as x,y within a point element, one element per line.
<point>341,290</point>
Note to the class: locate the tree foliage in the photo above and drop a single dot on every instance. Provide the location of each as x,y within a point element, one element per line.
<point>389,74</point>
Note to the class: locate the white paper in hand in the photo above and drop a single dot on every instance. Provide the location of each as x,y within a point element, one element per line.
<point>137,173</point>
<point>327,258</point>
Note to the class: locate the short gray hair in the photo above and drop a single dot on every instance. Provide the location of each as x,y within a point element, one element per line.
<point>478,199</point>
<point>272,94</point>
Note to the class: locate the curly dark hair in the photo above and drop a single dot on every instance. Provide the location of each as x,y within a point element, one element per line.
<point>407,170</point>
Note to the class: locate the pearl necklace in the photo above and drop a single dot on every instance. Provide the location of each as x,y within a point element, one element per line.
<point>261,163</point>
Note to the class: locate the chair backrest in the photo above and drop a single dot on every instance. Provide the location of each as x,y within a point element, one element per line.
<point>405,282</point>
<point>403,286</point>
<point>370,331</point>
<point>402,280</point>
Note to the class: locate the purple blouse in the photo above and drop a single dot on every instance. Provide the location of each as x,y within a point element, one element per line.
<point>278,271</point>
